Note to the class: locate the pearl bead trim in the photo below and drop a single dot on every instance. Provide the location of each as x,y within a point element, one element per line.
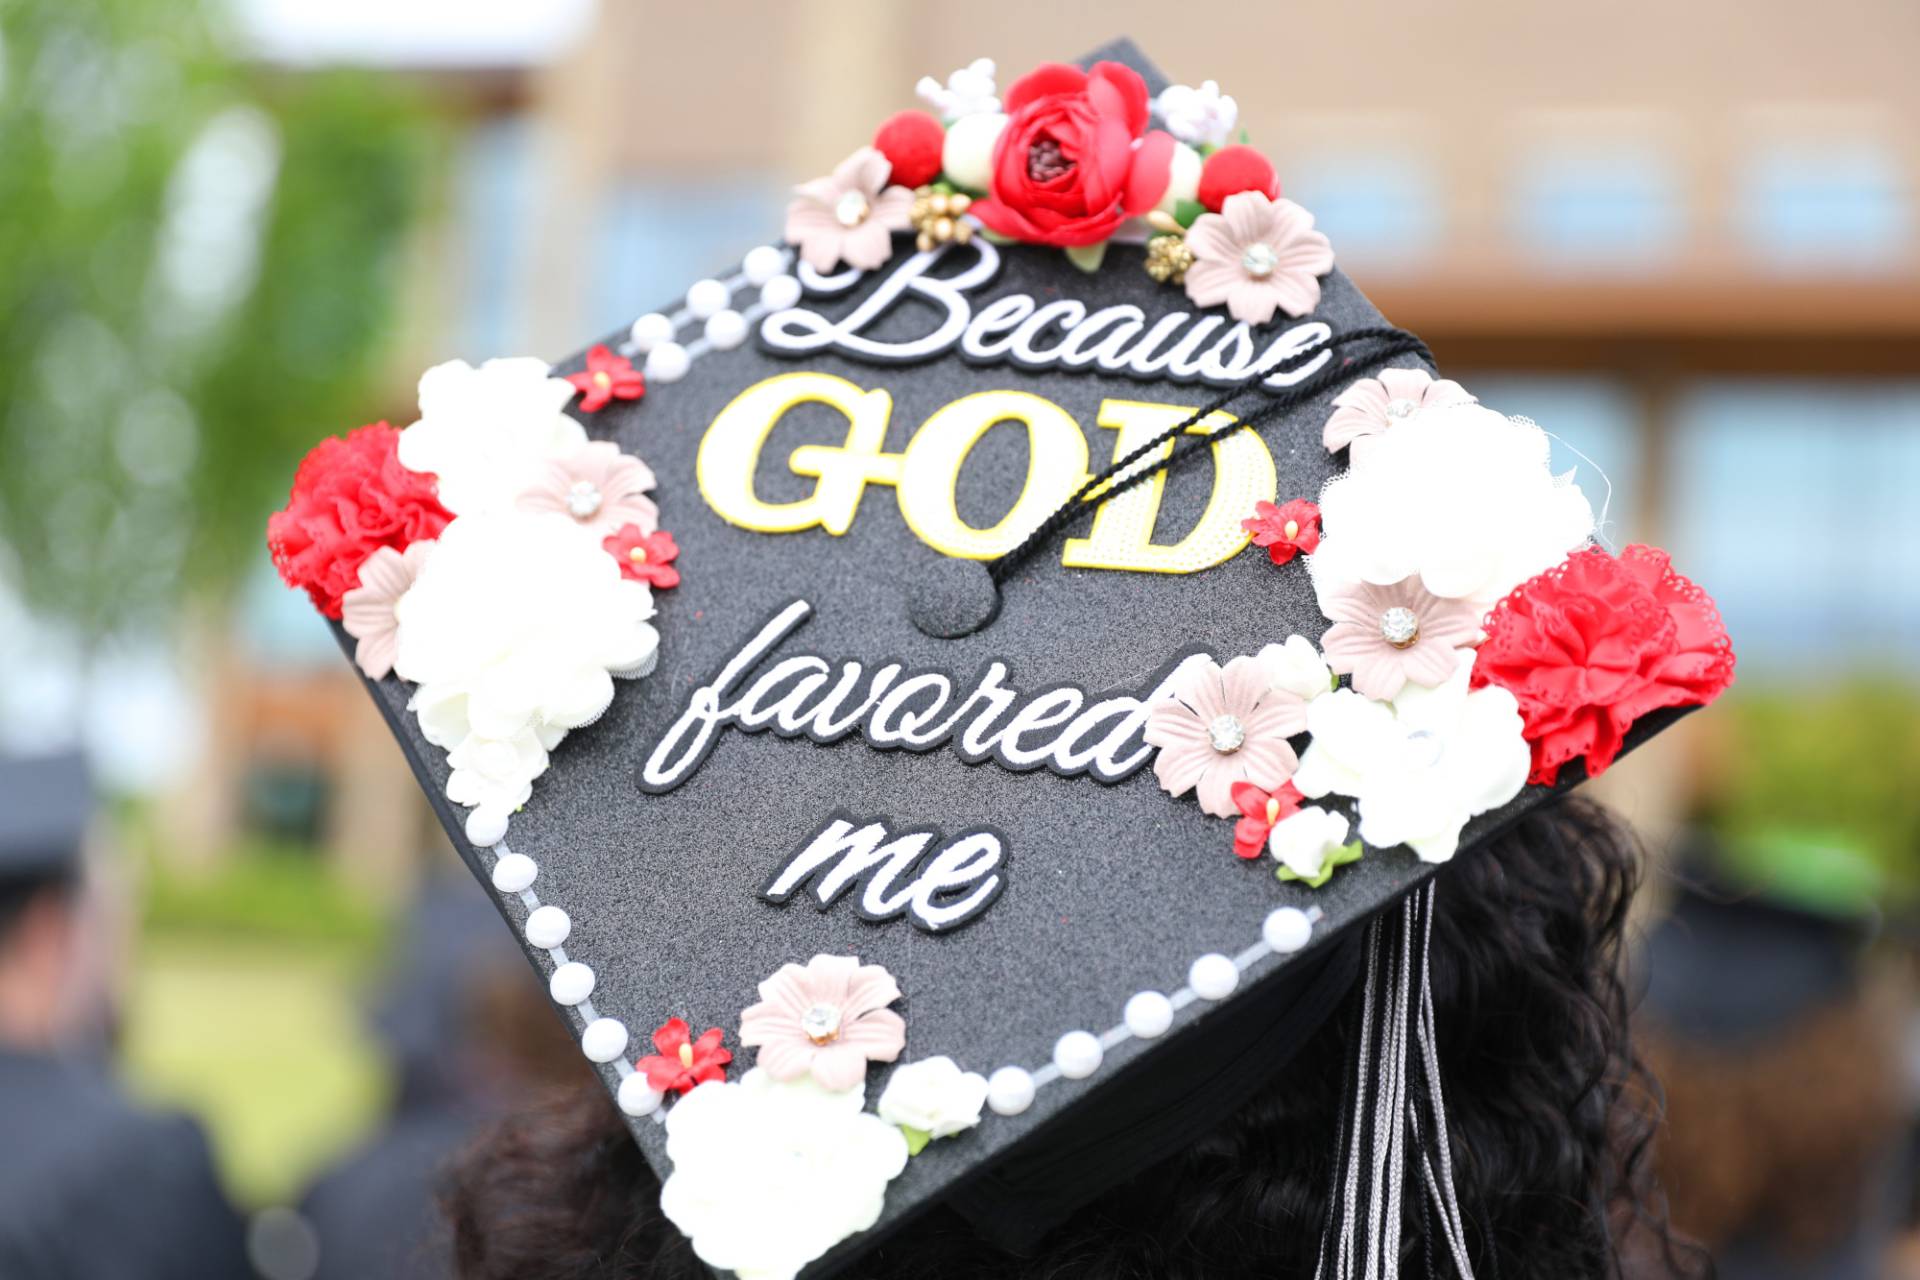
<point>705,304</point>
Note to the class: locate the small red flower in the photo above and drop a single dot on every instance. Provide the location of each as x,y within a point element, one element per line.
<point>683,1062</point>
<point>1285,531</point>
<point>644,557</point>
<point>606,377</point>
<point>912,142</point>
<point>350,497</point>
<point>1231,170</point>
<point>1591,646</point>
<point>1264,811</point>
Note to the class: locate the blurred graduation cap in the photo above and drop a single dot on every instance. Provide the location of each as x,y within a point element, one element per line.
<point>856,683</point>
<point>46,805</point>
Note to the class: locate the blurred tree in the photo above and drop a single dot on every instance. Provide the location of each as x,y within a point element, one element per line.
<point>196,275</point>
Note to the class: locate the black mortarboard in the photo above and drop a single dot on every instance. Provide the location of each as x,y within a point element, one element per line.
<point>46,802</point>
<point>902,751</point>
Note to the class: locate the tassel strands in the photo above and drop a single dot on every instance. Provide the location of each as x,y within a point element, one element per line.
<point>1394,1117</point>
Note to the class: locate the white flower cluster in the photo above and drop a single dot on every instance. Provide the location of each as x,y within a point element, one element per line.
<point>968,91</point>
<point>519,620</point>
<point>1202,117</point>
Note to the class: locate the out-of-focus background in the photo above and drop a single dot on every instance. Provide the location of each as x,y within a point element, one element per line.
<point>1684,238</point>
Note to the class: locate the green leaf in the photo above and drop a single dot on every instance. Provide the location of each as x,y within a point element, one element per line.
<point>1245,138</point>
<point>917,1139</point>
<point>1185,211</point>
<point>994,237</point>
<point>1088,257</point>
<point>1338,858</point>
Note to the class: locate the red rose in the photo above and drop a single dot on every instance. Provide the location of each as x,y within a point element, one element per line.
<point>1075,157</point>
<point>350,497</point>
<point>1591,646</point>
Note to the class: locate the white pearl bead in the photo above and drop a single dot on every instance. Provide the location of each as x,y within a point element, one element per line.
<point>1149,1014</point>
<point>727,330</point>
<point>650,330</point>
<point>780,293</point>
<point>1077,1054</point>
<point>514,873</point>
<point>548,927</point>
<point>1010,1091</point>
<point>604,1039</point>
<point>486,827</point>
<point>667,362</point>
<point>763,264</point>
<point>1287,929</point>
<point>571,983</point>
<point>1213,977</point>
<point>707,298</point>
<point>637,1097</point>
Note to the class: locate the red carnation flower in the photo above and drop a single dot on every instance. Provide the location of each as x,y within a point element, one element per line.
<point>912,142</point>
<point>644,557</point>
<point>683,1062</point>
<point>606,377</point>
<point>1263,811</point>
<point>1285,531</point>
<point>350,497</point>
<point>1593,645</point>
<point>1075,157</point>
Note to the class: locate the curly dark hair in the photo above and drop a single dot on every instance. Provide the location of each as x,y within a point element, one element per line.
<point>1551,1112</point>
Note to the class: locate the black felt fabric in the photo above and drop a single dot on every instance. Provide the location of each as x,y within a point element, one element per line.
<point>1111,889</point>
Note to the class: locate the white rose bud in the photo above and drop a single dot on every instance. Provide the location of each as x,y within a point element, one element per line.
<point>1183,182</point>
<point>934,1096</point>
<point>1303,841</point>
<point>1296,667</point>
<point>968,155</point>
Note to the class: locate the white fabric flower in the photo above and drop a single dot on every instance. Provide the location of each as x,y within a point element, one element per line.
<point>767,1176</point>
<point>1296,667</point>
<point>968,91</point>
<point>967,155</point>
<point>1202,117</point>
<point>485,432</point>
<point>1418,766</point>
<point>1303,840</point>
<point>1461,496</point>
<point>517,624</point>
<point>934,1096</point>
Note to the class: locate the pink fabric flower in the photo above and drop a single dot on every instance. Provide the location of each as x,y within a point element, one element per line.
<point>1258,256</point>
<point>829,1018</point>
<point>1371,405</point>
<point>1386,636</point>
<point>1221,727</point>
<point>367,611</point>
<point>601,488</point>
<point>849,216</point>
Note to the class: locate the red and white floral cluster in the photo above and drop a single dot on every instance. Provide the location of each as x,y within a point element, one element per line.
<point>491,555</point>
<point>1487,641</point>
<point>1070,158</point>
<point>772,1170</point>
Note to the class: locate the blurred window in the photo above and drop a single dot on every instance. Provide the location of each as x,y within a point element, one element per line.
<point>1381,209</point>
<point>657,236</point>
<point>500,184</point>
<point>1586,204</point>
<point>1795,500</point>
<point>1824,203</point>
<point>1593,417</point>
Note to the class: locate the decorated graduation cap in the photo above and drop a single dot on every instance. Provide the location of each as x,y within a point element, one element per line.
<point>936,700</point>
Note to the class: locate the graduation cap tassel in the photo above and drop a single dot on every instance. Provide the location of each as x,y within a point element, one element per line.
<point>1390,1109</point>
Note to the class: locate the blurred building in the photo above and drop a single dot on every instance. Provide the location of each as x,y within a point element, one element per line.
<point>1686,239</point>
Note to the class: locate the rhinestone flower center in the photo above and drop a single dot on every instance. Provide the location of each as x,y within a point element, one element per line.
<point>1424,748</point>
<point>851,209</point>
<point>821,1023</point>
<point>1260,260</point>
<point>1402,408</point>
<point>583,500</point>
<point>1400,626</point>
<point>1226,734</point>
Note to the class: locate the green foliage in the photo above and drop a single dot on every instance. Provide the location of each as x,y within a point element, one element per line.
<point>195,276</point>
<point>1825,779</point>
<point>263,892</point>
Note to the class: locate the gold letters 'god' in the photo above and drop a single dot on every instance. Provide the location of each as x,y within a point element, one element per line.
<point>925,474</point>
